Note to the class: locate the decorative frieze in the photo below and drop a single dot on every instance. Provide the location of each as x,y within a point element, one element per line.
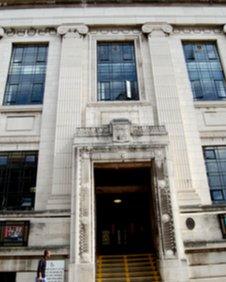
<point>28,31</point>
<point>108,130</point>
<point>198,30</point>
<point>115,31</point>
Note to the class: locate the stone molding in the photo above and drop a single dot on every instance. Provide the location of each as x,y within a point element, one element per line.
<point>73,31</point>
<point>157,29</point>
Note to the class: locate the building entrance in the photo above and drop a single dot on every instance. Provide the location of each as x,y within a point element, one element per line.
<point>125,221</point>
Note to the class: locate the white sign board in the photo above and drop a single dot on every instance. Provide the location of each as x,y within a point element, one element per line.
<point>55,270</point>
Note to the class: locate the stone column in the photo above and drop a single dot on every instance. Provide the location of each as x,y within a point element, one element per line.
<point>69,110</point>
<point>169,112</point>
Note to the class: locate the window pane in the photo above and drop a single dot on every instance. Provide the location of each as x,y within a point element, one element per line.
<point>205,71</point>
<point>116,71</point>
<point>197,89</point>
<point>215,159</point>
<point>27,68</point>
<point>17,178</point>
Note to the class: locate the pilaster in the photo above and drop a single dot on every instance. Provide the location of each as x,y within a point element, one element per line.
<point>169,112</point>
<point>69,109</point>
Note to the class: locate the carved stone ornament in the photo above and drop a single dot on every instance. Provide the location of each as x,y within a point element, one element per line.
<point>80,29</point>
<point>157,29</point>
<point>121,130</point>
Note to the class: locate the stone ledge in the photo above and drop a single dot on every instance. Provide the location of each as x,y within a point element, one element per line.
<point>34,214</point>
<point>210,104</point>
<point>204,247</point>
<point>216,208</point>
<point>23,252</point>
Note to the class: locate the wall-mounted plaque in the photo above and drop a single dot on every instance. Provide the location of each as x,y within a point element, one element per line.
<point>55,270</point>
<point>14,233</point>
<point>222,218</point>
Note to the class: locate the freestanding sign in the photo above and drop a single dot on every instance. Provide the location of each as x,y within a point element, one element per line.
<point>55,270</point>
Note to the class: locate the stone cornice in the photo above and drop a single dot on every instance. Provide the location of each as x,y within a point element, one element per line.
<point>52,3</point>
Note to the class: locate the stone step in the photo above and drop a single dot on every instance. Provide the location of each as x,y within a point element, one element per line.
<point>131,274</point>
<point>120,268</point>
<point>135,279</point>
<point>124,268</point>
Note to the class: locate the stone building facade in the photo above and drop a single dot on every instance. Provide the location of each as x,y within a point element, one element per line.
<point>64,131</point>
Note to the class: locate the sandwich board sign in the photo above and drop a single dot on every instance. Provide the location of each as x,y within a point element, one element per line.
<point>55,270</point>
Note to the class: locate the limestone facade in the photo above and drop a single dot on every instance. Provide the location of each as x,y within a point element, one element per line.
<point>73,131</point>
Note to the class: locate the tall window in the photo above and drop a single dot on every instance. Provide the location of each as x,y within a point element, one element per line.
<point>116,71</point>
<point>205,71</point>
<point>17,180</point>
<point>215,159</point>
<point>26,77</point>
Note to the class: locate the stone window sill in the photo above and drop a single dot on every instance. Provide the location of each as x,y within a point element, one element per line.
<point>21,109</point>
<point>118,104</point>
<point>210,104</point>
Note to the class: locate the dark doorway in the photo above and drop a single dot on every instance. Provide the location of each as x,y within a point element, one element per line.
<point>7,276</point>
<point>124,209</point>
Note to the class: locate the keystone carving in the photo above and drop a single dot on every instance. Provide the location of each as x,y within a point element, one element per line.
<point>73,30</point>
<point>157,29</point>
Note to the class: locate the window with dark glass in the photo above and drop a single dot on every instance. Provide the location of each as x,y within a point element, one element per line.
<point>215,160</point>
<point>205,71</point>
<point>116,71</point>
<point>17,180</point>
<point>26,77</point>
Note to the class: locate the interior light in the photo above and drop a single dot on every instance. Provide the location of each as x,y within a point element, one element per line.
<point>117,201</point>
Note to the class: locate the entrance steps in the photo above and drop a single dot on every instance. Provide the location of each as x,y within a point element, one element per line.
<point>127,268</point>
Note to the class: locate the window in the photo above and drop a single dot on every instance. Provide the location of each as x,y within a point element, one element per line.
<point>26,77</point>
<point>215,159</point>
<point>17,180</point>
<point>205,71</point>
<point>116,71</point>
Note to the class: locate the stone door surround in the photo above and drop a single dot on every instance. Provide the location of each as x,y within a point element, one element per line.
<point>119,141</point>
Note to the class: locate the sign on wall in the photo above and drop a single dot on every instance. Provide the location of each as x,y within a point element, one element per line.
<point>55,270</point>
<point>14,233</point>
